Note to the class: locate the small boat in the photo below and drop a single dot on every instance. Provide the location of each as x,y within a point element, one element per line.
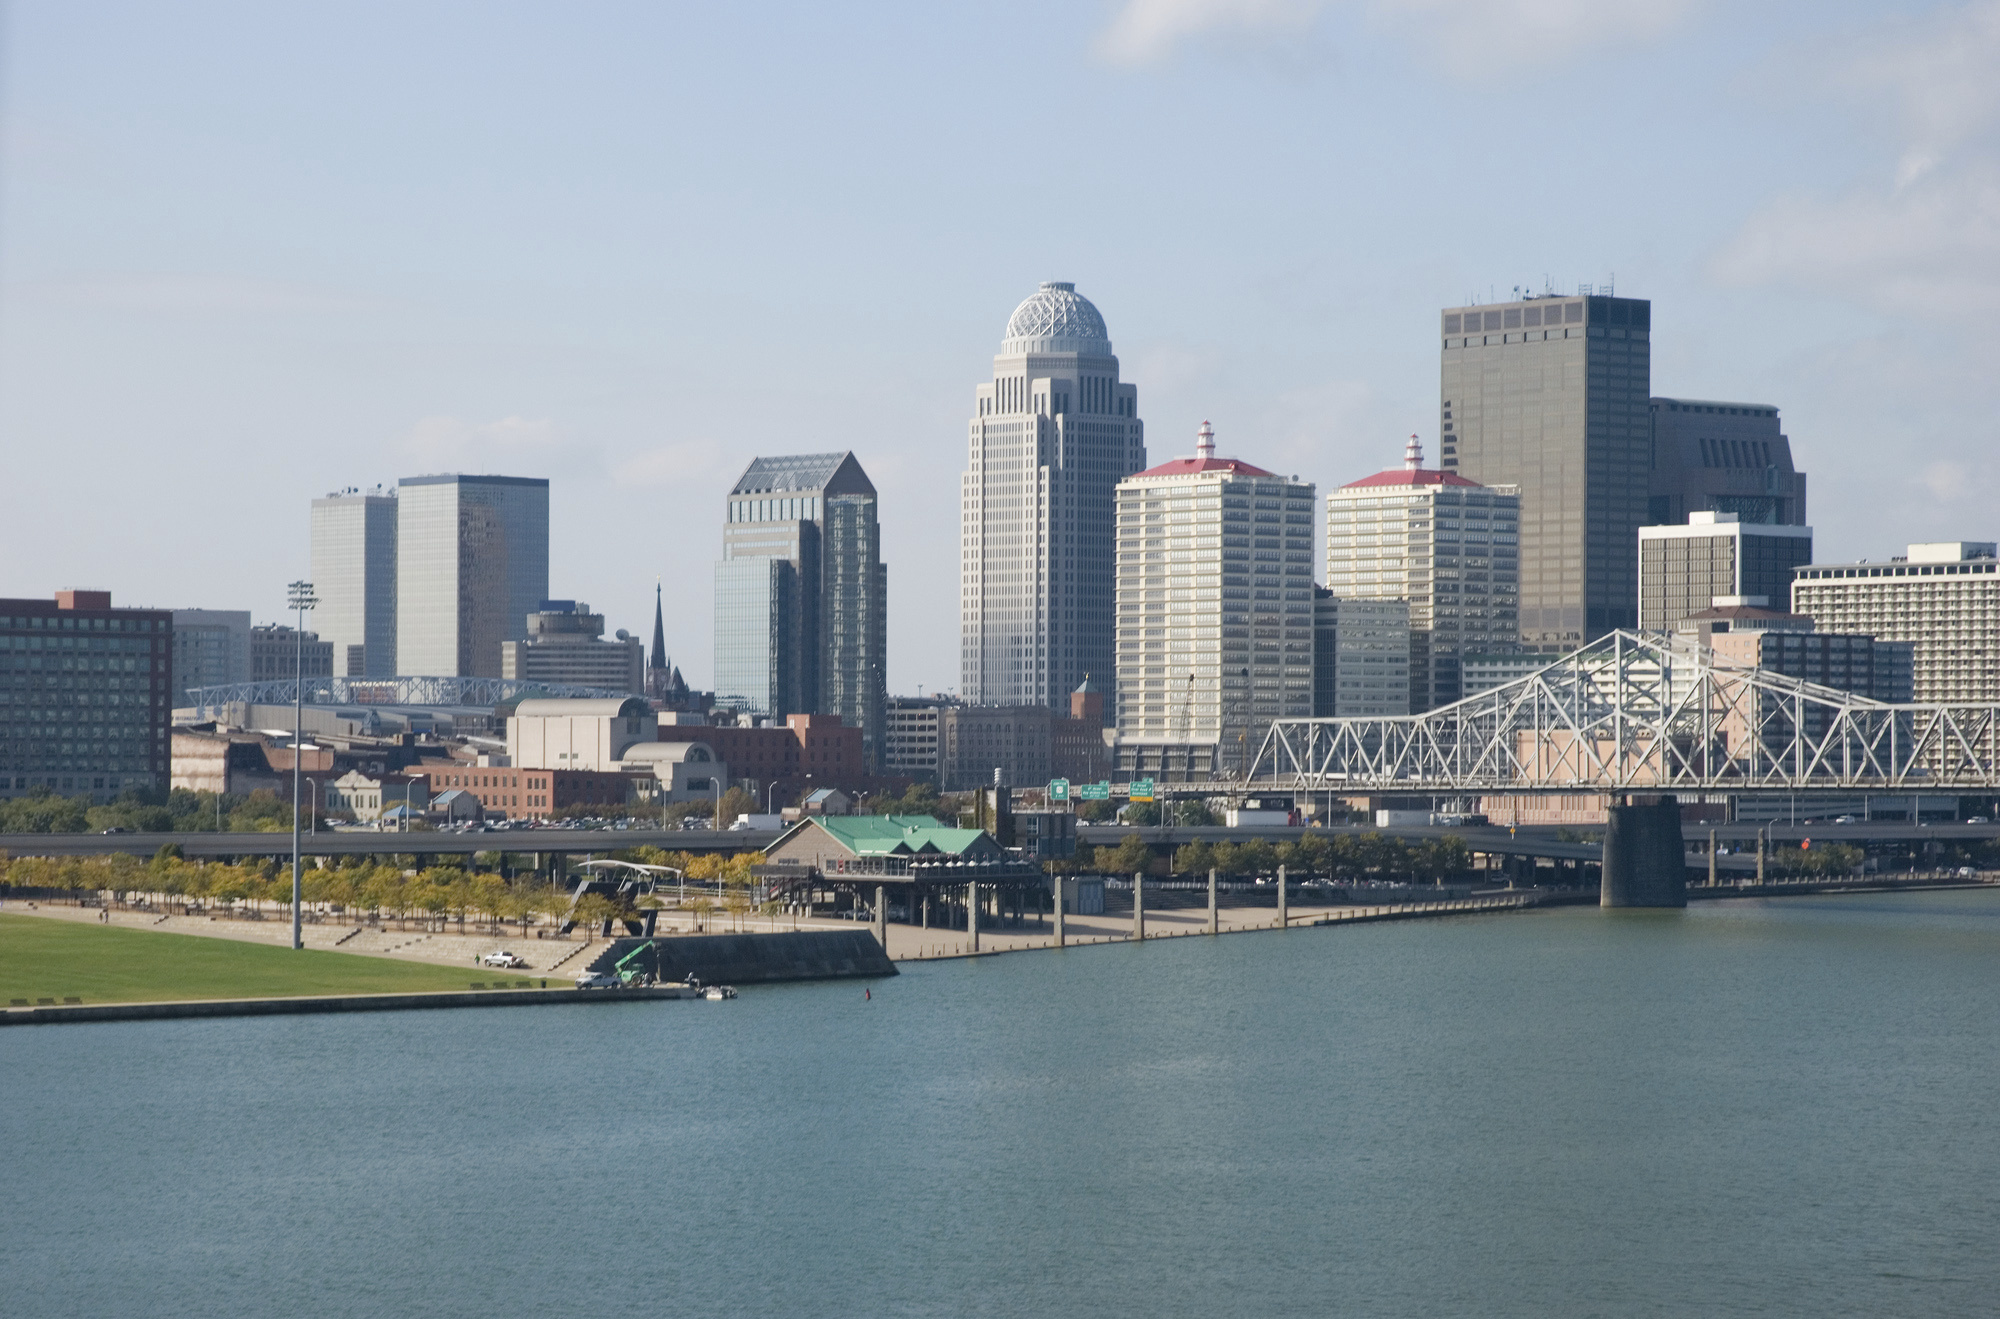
<point>716,993</point>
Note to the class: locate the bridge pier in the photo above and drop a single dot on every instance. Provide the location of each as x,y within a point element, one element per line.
<point>1645,861</point>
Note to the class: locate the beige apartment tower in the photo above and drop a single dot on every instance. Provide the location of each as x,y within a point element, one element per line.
<point>1215,613</point>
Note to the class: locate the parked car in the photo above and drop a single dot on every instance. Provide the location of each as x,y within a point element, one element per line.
<point>597,980</point>
<point>501,958</point>
<point>1843,819</point>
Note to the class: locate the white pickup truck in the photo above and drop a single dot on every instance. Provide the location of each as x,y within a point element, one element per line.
<point>501,958</point>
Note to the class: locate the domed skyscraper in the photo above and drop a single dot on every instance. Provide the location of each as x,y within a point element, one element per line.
<point>1052,435</point>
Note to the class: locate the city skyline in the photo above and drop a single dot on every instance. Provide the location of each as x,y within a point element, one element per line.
<point>1792,189</point>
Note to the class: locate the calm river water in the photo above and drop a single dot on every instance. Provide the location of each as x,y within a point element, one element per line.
<point>1750,1108</point>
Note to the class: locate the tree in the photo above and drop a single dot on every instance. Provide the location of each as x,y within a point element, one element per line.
<point>1258,857</point>
<point>593,909</point>
<point>1131,854</point>
<point>1195,858</point>
<point>41,812</point>
<point>1310,854</point>
<point>735,802</point>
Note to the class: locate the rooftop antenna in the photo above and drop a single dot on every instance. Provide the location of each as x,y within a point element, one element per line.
<point>1611,285</point>
<point>1204,442</point>
<point>1413,455</point>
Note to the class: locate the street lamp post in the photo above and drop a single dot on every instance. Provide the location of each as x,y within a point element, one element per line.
<point>300,598</point>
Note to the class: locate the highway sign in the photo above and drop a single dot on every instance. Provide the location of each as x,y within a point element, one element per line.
<point>1094,791</point>
<point>1142,790</point>
<point>1058,789</point>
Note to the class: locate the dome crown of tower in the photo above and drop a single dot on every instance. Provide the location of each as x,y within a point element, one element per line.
<point>1056,320</point>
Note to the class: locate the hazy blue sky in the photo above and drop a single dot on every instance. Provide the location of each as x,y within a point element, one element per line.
<point>252,252</point>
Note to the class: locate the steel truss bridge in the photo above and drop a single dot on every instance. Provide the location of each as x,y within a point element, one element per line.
<point>1641,713</point>
<point>489,692</point>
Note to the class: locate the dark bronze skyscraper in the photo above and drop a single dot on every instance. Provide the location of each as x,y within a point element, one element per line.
<point>1551,394</point>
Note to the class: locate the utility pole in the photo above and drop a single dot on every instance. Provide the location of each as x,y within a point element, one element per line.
<point>300,598</point>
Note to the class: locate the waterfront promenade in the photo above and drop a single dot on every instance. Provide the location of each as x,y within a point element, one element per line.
<point>565,956</point>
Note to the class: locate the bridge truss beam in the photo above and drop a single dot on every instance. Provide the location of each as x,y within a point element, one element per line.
<point>1640,713</point>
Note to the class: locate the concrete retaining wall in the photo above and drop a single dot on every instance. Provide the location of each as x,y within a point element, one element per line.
<point>266,1007</point>
<point>752,959</point>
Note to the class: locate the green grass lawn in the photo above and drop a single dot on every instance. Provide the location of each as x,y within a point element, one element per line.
<point>45,958</point>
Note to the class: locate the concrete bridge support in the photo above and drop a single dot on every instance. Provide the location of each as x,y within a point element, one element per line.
<point>1645,861</point>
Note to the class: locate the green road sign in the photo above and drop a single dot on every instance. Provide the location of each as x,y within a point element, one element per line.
<point>1142,790</point>
<point>1058,789</point>
<point>1094,791</point>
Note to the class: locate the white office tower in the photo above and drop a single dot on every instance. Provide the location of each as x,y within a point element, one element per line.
<point>1449,546</point>
<point>1215,614</point>
<point>354,576</point>
<point>1052,435</point>
<point>1942,598</point>
<point>472,562</point>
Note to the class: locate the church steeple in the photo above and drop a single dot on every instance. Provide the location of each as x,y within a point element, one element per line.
<point>658,659</point>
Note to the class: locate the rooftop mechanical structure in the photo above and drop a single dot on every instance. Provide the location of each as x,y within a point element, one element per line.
<point>1635,712</point>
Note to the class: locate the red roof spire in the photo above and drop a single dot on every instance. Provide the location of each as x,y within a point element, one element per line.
<point>1204,460</point>
<point>1412,472</point>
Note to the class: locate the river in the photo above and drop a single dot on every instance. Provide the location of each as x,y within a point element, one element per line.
<point>1753,1107</point>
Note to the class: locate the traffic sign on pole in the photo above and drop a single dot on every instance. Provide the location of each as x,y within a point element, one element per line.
<point>1094,791</point>
<point>1142,790</point>
<point>1058,789</point>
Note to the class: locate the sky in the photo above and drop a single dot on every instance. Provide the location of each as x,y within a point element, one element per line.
<point>252,253</point>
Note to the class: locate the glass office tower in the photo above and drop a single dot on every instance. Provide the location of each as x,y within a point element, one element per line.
<point>472,562</point>
<point>801,594</point>
<point>1551,394</point>
<point>1052,435</point>
<point>354,576</point>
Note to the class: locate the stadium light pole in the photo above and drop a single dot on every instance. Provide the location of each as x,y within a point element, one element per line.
<point>300,597</point>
